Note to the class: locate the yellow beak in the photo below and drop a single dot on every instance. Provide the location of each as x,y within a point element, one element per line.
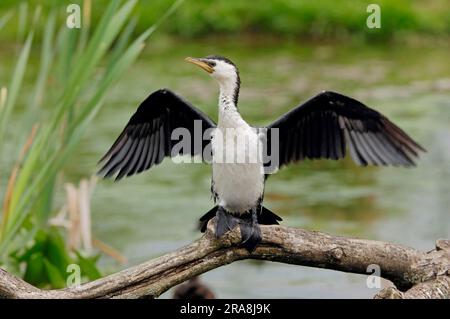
<point>200,63</point>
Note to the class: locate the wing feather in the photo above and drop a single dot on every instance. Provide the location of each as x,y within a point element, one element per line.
<point>329,123</point>
<point>146,139</point>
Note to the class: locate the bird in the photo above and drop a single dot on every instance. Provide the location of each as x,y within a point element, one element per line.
<point>326,126</point>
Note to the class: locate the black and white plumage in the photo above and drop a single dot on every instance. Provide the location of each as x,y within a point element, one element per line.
<point>328,123</point>
<point>323,127</point>
<point>146,139</point>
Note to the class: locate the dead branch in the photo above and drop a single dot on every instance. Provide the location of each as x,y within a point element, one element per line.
<point>416,274</point>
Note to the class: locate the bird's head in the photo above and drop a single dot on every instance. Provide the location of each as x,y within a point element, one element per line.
<point>222,69</point>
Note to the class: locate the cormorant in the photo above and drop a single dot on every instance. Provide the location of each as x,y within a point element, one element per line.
<point>322,127</point>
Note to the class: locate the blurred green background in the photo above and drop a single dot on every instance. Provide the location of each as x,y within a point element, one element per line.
<point>286,51</point>
<point>287,18</point>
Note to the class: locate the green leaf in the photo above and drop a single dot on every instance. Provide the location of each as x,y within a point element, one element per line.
<point>35,273</point>
<point>39,246</point>
<point>88,266</point>
<point>56,251</point>
<point>55,276</point>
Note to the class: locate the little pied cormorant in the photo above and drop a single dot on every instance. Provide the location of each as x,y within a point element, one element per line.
<point>322,127</point>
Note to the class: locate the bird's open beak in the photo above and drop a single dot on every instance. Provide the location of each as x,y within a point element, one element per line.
<point>200,63</point>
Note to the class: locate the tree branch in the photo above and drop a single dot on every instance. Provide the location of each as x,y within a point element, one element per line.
<point>404,266</point>
<point>438,288</point>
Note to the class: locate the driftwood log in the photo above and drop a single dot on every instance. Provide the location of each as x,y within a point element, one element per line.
<point>415,274</point>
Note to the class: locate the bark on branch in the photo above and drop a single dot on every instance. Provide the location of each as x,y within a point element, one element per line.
<point>425,274</point>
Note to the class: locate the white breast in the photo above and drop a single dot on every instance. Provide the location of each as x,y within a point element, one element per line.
<point>238,177</point>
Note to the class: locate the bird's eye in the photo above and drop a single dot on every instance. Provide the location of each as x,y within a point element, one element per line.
<point>211,63</point>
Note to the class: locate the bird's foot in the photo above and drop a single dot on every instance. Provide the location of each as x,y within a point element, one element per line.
<point>225,222</point>
<point>250,231</point>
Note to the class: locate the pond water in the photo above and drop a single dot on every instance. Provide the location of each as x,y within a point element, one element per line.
<point>156,212</point>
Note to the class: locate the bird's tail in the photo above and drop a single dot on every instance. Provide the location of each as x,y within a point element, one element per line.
<point>267,217</point>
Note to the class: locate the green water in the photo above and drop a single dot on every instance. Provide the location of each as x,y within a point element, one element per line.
<point>156,212</point>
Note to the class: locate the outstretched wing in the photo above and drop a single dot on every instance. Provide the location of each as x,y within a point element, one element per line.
<point>146,139</point>
<point>325,125</point>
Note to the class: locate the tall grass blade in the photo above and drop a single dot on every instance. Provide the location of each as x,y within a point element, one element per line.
<point>4,20</point>
<point>22,22</point>
<point>81,96</point>
<point>15,86</point>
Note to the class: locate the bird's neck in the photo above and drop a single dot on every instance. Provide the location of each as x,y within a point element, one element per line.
<point>228,113</point>
<point>228,99</point>
<point>229,90</point>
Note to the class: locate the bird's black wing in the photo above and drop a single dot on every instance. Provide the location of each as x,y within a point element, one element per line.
<point>146,139</point>
<point>328,123</point>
